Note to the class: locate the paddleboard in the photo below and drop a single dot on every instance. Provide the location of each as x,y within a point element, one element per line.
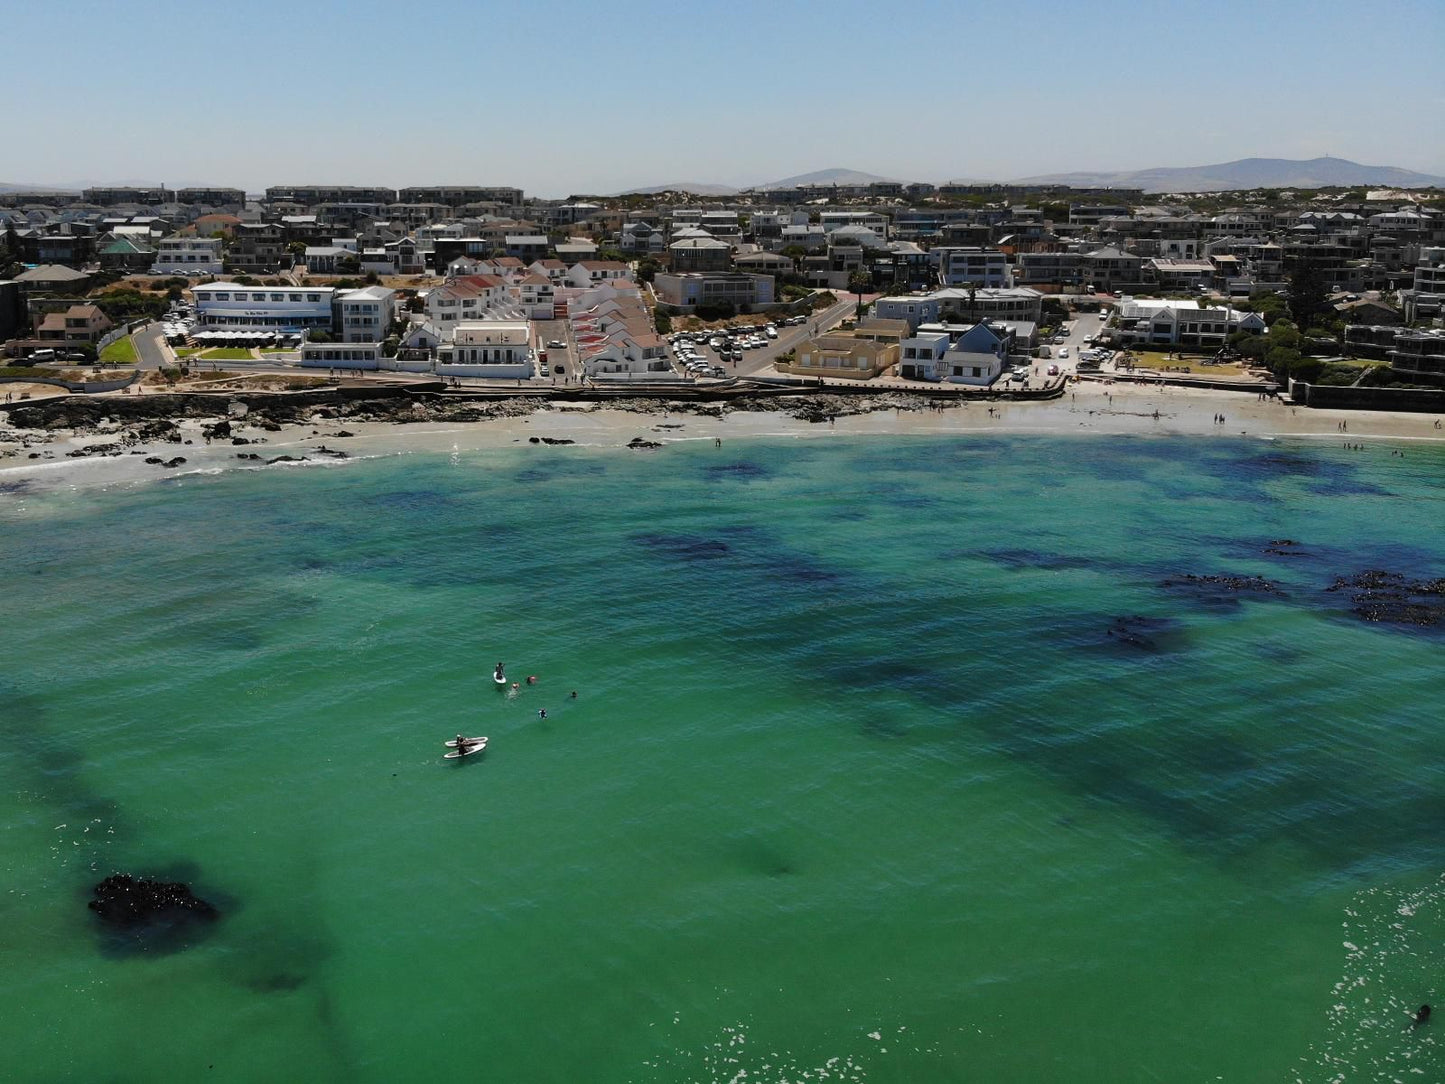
<point>468,751</point>
<point>451,743</point>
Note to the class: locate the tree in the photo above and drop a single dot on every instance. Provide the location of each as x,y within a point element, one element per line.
<point>663,321</point>
<point>1307,298</point>
<point>859,283</point>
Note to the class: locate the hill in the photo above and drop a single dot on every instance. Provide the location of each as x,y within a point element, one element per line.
<point>826,176</point>
<point>1248,173</point>
<point>696,188</point>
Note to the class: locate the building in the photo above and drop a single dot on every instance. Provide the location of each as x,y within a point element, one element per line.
<point>212,197</point>
<point>842,356</point>
<point>699,254</point>
<point>126,254</point>
<point>461,195</point>
<point>963,306</point>
<point>689,290</point>
<point>228,305</point>
<point>1419,351</point>
<point>982,267</point>
<point>256,246</point>
<point>526,246</point>
<point>311,195</point>
<point>495,348</point>
<point>110,197</point>
<point>1425,300</point>
<point>1179,323</point>
<point>363,316</point>
<point>468,298</point>
<point>591,272</point>
<point>181,255</point>
<point>355,355</point>
<point>72,327</point>
<point>973,354</point>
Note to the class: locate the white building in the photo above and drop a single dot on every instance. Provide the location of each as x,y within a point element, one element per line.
<point>363,316</point>
<point>984,267</point>
<point>180,255</point>
<point>1179,323</point>
<point>488,348</point>
<point>967,306</point>
<point>273,308</point>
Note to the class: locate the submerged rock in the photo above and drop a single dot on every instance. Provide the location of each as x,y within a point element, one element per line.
<point>639,443</point>
<point>127,902</point>
<point>1391,598</point>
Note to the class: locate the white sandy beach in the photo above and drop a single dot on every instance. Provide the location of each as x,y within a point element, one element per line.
<point>1091,408</point>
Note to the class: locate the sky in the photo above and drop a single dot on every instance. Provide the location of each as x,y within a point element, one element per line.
<point>562,98</point>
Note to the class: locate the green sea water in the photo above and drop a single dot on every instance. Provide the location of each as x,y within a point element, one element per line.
<point>891,760</point>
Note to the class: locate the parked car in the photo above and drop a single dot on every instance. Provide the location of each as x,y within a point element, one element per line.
<point>1053,370</point>
<point>556,344</point>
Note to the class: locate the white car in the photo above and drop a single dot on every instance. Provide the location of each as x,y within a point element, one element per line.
<point>1063,351</point>
<point>771,333</point>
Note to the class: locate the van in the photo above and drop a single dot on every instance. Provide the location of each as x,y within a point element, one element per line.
<point>43,355</point>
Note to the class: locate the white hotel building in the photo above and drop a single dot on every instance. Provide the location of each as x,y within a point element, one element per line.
<point>229,306</point>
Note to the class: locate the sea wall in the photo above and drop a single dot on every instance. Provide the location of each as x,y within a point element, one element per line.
<point>1330,397</point>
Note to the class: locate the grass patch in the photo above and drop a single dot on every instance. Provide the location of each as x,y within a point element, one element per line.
<point>186,351</point>
<point>120,352</point>
<point>225,353</point>
<point>28,372</point>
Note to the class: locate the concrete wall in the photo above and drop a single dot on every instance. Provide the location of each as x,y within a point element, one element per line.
<point>1322,396</point>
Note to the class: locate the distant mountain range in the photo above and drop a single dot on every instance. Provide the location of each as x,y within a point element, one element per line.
<point>821,176</point>
<point>1248,173</point>
<point>694,187</point>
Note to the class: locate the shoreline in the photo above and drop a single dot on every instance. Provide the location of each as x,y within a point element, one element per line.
<point>117,451</point>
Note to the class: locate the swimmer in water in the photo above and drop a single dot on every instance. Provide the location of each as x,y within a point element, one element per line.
<point>1422,1015</point>
<point>531,679</point>
<point>541,713</point>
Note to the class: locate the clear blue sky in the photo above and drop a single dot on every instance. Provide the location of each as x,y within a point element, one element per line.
<point>559,97</point>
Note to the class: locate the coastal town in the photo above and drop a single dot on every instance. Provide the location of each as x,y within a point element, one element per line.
<point>1329,297</point>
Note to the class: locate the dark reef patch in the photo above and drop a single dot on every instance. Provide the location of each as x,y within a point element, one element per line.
<point>1221,590</point>
<point>1394,599</point>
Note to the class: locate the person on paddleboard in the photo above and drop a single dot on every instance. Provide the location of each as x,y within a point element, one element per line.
<point>498,673</point>
<point>461,745</point>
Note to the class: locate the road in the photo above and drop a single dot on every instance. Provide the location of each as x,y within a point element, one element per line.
<point>150,347</point>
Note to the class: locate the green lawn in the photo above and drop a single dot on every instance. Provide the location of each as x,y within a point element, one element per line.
<point>120,352</point>
<point>225,353</point>
<point>186,351</point>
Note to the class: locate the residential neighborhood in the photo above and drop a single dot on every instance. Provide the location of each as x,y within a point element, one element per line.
<point>943,284</point>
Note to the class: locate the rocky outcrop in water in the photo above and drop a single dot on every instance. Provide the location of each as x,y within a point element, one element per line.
<point>639,443</point>
<point>1211,587</point>
<point>1392,598</point>
<point>128,902</point>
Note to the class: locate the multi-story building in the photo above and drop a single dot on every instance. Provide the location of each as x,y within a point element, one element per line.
<point>1180,323</point>
<point>461,195</point>
<point>981,267</point>
<point>699,254</point>
<point>1426,297</point>
<point>181,255</point>
<point>1419,351</point>
<point>73,326</point>
<point>212,197</point>
<point>363,316</point>
<point>256,246</point>
<point>691,289</point>
<point>228,305</point>
<point>310,195</point>
<point>110,197</point>
<point>1020,304</point>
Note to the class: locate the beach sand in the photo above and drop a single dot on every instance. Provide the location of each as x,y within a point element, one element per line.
<point>1090,408</point>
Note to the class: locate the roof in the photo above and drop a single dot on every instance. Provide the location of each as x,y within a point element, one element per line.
<point>51,272</point>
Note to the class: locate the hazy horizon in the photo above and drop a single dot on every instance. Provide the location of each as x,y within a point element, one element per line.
<point>560,100</point>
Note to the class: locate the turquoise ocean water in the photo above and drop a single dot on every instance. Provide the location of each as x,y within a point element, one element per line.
<point>858,785</point>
